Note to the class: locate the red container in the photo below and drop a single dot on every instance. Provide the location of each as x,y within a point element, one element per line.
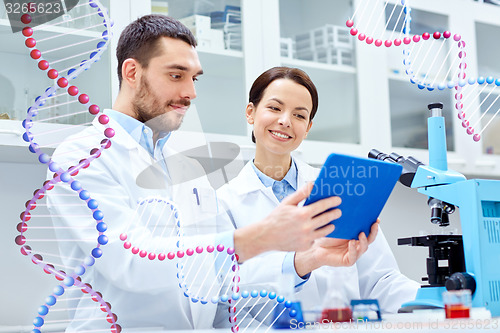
<point>336,315</point>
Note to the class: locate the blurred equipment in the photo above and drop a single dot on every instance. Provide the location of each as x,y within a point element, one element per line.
<point>365,310</point>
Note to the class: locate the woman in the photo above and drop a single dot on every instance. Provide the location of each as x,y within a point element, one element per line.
<point>282,103</point>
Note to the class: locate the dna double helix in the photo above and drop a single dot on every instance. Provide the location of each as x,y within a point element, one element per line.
<point>206,273</point>
<point>62,113</point>
<point>433,60</point>
<point>63,54</point>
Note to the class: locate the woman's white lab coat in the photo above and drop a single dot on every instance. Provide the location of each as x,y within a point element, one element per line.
<point>375,275</point>
<point>142,293</point>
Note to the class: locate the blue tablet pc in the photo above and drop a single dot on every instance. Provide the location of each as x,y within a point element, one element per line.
<point>364,186</point>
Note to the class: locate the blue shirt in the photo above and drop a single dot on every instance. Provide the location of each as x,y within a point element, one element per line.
<point>281,188</point>
<point>140,132</point>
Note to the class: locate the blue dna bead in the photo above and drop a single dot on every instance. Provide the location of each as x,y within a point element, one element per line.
<point>89,261</point>
<point>101,227</point>
<point>98,215</point>
<point>33,148</point>
<point>102,239</point>
<point>43,310</point>
<point>59,290</point>
<point>38,322</point>
<point>80,270</point>
<point>68,281</point>
<point>96,252</point>
<point>92,204</point>
<point>27,136</point>
<point>76,185</point>
<point>50,300</point>
<point>65,177</point>
<point>44,158</point>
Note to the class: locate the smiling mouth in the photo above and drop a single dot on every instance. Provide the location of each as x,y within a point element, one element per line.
<point>280,135</point>
<point>181,109</point>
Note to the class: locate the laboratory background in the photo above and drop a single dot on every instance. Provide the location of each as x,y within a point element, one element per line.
<point>366,101</point>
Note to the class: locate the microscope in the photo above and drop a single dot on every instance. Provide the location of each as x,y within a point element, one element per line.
<point>473,259</point>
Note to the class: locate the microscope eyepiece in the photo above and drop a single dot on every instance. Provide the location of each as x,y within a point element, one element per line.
<point>410,164</point>
<point>435,106</point>
<point>376,155</point>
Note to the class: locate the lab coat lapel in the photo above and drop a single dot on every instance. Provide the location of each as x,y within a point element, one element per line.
<point>250,182</point>
<point>145,169</point>
<point>180,169</point>
<point>305,173</point>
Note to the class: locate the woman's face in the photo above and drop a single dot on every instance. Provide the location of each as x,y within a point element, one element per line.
<point>281,119</point>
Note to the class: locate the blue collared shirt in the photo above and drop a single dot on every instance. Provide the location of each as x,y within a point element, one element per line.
<point>140,132</point>
<point>281,188</point>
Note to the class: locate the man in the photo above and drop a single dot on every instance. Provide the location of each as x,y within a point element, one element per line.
<point>157,69</point>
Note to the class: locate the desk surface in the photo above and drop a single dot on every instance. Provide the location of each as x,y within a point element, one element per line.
<point>424,322</point>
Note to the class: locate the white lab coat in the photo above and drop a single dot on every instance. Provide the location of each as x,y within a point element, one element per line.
<point>142,293</point>
<point>375,275</point>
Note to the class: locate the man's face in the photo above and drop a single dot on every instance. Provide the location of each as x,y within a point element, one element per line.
<point>166,86</point>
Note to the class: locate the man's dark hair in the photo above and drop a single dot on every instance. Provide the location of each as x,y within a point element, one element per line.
<point>139,39</point>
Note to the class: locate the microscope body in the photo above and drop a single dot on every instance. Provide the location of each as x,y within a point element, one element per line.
<point>479,204</point>
<point>478,201</point>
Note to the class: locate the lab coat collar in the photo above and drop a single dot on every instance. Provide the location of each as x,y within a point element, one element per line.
<point>248,181</point>
<point>121,136</point>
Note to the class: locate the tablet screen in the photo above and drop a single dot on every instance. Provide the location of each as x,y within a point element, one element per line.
<point>364,186</point>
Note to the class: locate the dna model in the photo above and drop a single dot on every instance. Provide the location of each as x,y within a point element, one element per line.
<point>45,240</point>
<point>433,61</point>
<point>55,56</point>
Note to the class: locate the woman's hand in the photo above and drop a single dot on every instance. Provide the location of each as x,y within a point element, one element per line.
<point>334,252</point>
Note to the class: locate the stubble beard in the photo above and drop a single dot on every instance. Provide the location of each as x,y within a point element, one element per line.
<point>155,115</point>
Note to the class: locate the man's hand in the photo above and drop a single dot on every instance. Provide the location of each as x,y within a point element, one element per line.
<point>289,227</point>
<point>334,252</point>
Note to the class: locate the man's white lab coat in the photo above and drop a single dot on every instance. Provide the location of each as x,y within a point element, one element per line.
<point>142,293</point>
